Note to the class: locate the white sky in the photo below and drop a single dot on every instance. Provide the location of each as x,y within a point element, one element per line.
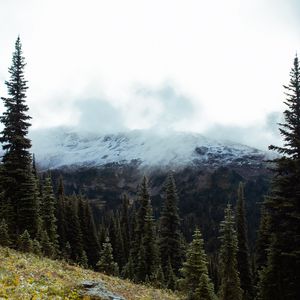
<point>186,64</point>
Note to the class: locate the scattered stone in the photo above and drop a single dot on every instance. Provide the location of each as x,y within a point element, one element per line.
<point>97,290</point>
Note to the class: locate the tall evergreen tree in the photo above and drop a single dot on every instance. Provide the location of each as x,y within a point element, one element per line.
<point>281,277</point>
<point>125,226</point>
<point>148,254</point>
<point>48,212</point>
<point>24,242</point>
<point>170,277</point>
<point>60,214</point>
<point>4,236</point>
<point>89,235</point>
<point>106,264</point>
<point>194,267</point>
<point>139,221</point>
<point>243,262</point>
<point>205,289</point>
<point>262,242</point>
<point>143,200</point>
<point>230,282</point>
<point>169,234</point>
<point>46,246</point>
<point>16,170</point>
<point>73,230</point>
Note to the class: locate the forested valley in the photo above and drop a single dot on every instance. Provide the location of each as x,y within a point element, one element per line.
<point>237,237</point>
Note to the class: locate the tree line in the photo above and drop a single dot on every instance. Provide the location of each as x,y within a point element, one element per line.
<point>130,242</point>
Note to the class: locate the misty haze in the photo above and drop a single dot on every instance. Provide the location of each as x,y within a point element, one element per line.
<point>150,150</point>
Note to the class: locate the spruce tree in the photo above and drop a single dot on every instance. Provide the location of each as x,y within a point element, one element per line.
<point>67,252</point>
<point>194,267</point>
<point>17,176</point>
<point>139,221</point>
<point>47,247</point>
<point>128,270</point>
<point>280,278</point>
<point>48,212</point>
<point>116,241</point>
<point>89,235</point>
<point>262,243</point>
<point>24,242</point>
<point>171,278</point>
<point>148,254</point>
<point>60,214</point>
<point>243,262</point>
<point>230,282</point>
<point>143,200</point>
<point>36,247</point>
<point>158,279</point>
<point>4,236</point>
<point>205,289</point>
<point>169,234</point>
<point>83,261</point>
<point>37,200</point>
<point>73,230</point>
<point>125,226</point>
<point>106,263</point>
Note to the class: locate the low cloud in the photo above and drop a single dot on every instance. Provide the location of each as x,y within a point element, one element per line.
<point>259,136</point>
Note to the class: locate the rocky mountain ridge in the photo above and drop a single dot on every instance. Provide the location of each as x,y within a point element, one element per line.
<point>56,148</point>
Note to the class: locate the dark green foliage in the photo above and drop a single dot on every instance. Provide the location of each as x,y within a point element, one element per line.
<point>48,212</point>
<point>262,242</point>
<point>4,236</point>
<point>67,251</point>
<point>27,207</point>
<point>38,200</point>
<point>205,289</point>
<point>243,248</point>
<point>36,247</point>
<point>125,227</point>
<point>194,267</point>
<point>16,170</point>
<point>230,282</point>
<point>138,225</point>
<point>25,242</point>
<point>89,236</point>
<point>128,270</point>
<point>280,278</point>
<point>60,214</point>
<point>158,279</point>
<point>170,241</point>
<point>83,261</point>
<point>147,257</point>
<point>47,247</point>
<point>116,239</point>
<point>106,263</point>
<point>143,200</point>
<point>73,230</point>
<point>170,277</point>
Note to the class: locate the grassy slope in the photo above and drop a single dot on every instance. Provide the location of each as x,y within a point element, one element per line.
<point>26,276</point>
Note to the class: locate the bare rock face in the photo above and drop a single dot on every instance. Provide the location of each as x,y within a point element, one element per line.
<point>97,290</point>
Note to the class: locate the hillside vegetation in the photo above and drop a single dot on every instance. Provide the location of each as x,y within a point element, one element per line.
<point>26,276</point>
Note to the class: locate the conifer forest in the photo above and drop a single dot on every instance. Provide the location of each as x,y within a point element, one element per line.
<point>237,240</point>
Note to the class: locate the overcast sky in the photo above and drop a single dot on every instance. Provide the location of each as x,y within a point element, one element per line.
<point>215,67</point>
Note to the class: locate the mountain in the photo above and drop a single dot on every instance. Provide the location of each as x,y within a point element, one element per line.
<point>207,172</point>
<point>60,147</point>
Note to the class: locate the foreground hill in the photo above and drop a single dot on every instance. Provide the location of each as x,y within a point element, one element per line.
<point>26,276</point>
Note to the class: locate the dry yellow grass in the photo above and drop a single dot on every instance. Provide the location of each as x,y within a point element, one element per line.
<point>26,276</point>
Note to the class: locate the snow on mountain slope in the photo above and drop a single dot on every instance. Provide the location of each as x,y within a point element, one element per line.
<point>63,147</point>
